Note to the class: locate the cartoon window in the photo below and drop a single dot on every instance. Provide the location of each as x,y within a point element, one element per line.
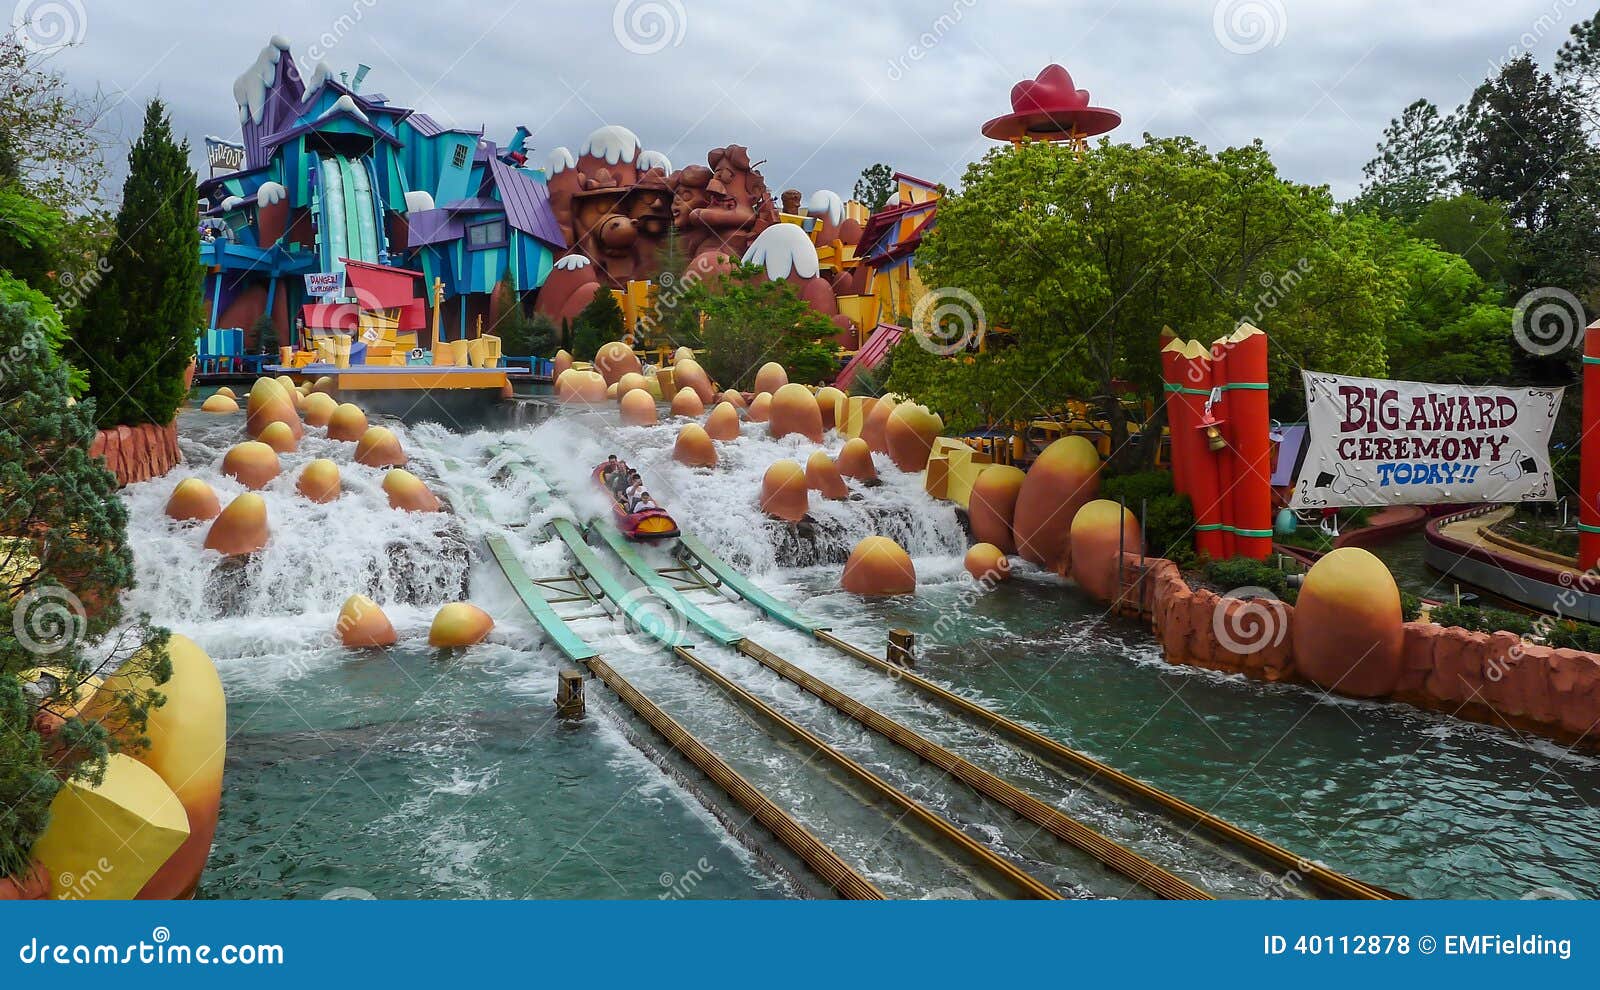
<point>459,160</point>
<point>486,235</point>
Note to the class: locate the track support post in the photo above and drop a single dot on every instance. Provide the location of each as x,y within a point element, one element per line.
<point>569,694</point>
<point>902,648</point>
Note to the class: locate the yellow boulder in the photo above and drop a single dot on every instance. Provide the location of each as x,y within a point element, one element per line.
<point>459,624</point>
<point>106,842</point>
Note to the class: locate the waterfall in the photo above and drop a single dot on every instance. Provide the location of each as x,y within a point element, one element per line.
<point>318,555</point>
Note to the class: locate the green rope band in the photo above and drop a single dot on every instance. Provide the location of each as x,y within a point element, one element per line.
<point>1187,391</point>
<point>1255,385</point>
<point>1591,360</point>
<point>1235,530</point>
<point>1584,528</point>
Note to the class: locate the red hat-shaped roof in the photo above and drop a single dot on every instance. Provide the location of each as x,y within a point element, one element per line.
<point>1049,107</point>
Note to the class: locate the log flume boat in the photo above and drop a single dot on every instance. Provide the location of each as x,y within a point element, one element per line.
<point>649,524</point>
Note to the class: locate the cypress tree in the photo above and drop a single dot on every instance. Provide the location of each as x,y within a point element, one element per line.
<point>136,333</point>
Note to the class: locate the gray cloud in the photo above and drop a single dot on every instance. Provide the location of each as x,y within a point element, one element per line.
<point>821,89</point>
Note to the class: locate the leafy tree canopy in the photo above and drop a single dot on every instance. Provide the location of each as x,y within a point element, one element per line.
<point>1412,167</point>
<point>748,320</point>
<point>1476,229</point>
<point>875,186</point>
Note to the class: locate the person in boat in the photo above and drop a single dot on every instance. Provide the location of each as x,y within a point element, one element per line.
<point>615,474</point>
<point>643,503</point>
<point>633,491</point>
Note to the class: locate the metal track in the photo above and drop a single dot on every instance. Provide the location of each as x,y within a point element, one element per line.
<point>1331,881</point>
<point>1120,858</point>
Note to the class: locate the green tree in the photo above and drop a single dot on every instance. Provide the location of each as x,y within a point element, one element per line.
<point>1085,256</point>
<point>1518,137</point>
<point>1476,229</point>
<point>521,335</point>
<point>51,137</point>
<point>1412,167</point>
<point>1453,326</point>
<point>597,324</point>
<point>1578,68</point>
<point>875,186</point>
<point>749,320</point>
<point>136,334</point>
<point>64,561</point>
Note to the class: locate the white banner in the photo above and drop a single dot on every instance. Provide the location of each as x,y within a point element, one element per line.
<point>1376,442</point>
<point>325,284</point>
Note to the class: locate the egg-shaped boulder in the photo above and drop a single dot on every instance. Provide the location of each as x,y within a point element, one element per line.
<point>1063,478</point>
<point>828,401</point>
<point>909,434</point>
<point>220,403</point>
<point>993,504</point>
<point>1099,530</point>
<point>324,385</point>
<point>348,422</point>
<point>287,383</point>
<point>687,373</point>
<point>879,566</point>
<point>723,423</point>
<point>874,429</point>
<point>794,410</point>
<point>407,492</point>
<point>682,354</point>
<point>241,527</point>
<point>319,481</point>
<point>362,624</point>
<point>822,475</point>
<point>580,387</point>
<point>379,447</point>
<point>186,749</point>
<point>225,390</point>
<point>734,399</point>
<point>252,464</point>
<point>687,403</point>
<point>269,402</point>
<point>279,437</point>
<point>319,408</point>
<point>855,461</point>
<point>637,408</point>
<point>987,563</point>
<point>616,359</point>
<point>611,392</point>
<point>783,491</point>
<point>630,382</point>
<point>770,377</point>
<point>694,447</point>
<point>193,500</point>
<point>1348,625</point>
<point>459,624</point>
<point>561,362</point>
<point>760,410</point>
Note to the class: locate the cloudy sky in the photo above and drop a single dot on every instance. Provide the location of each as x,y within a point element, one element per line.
<point>821,88</point>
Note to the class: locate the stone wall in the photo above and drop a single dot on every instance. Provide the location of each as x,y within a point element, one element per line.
<point>137,453</point>
<point>1493,678</point>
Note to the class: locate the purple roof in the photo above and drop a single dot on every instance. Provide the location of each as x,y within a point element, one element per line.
<point>432,227</point>
<point>425,125</point>
<point>527,204</point>
<point>473,204</point>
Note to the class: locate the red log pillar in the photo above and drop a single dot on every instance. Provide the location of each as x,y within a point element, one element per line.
<point>1589,453</point>
<point>1227,463</point>
<point>1250,433</point>
<point>1200,464</point>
